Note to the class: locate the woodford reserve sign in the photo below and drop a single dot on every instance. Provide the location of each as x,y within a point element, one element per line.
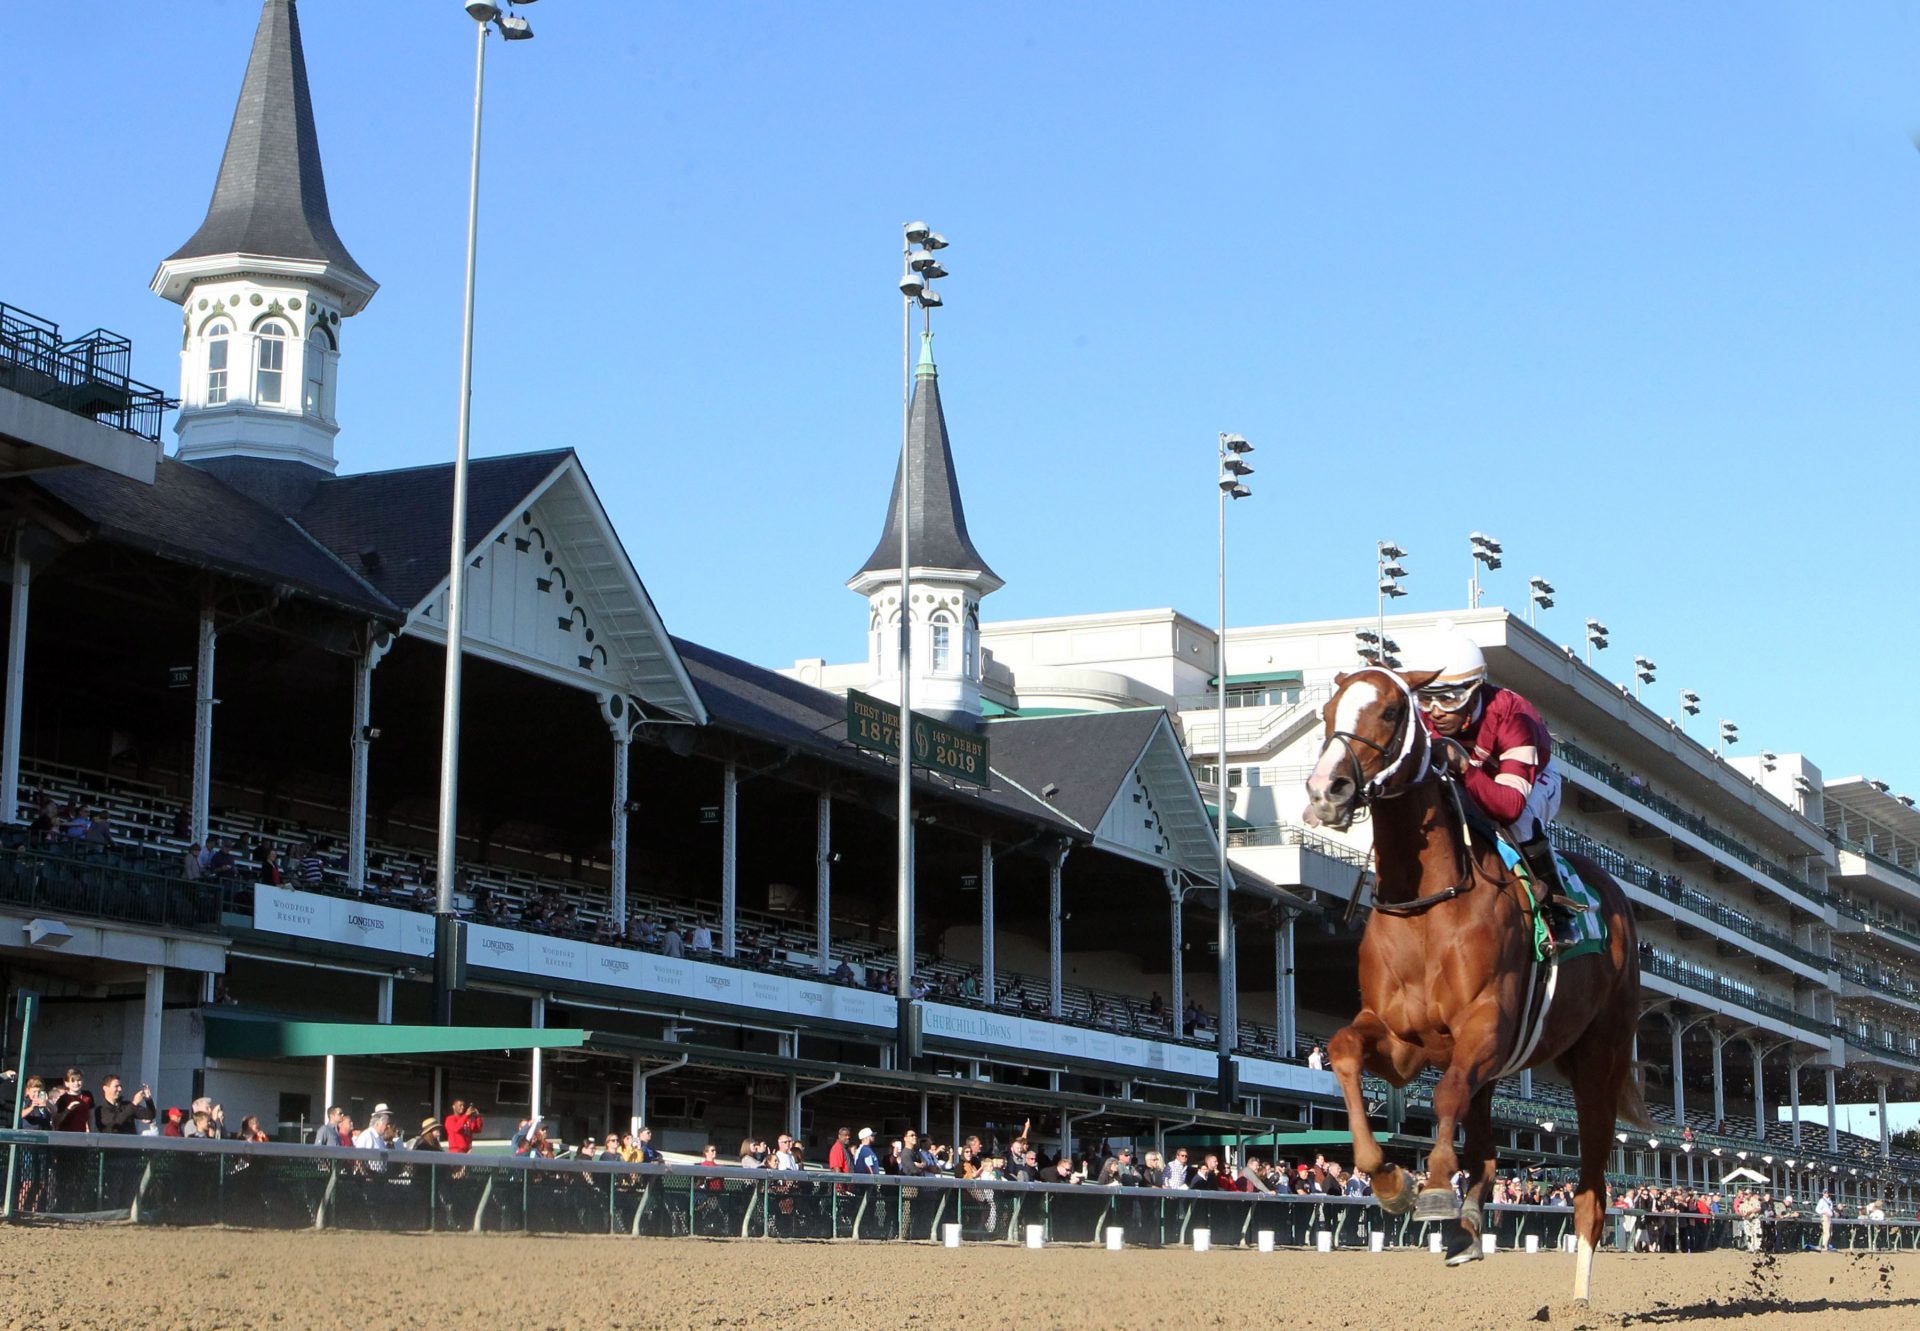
<point>875,725</point>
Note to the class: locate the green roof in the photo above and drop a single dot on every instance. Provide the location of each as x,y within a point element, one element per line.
<point>1261,677</point>
<point>1235,823</point>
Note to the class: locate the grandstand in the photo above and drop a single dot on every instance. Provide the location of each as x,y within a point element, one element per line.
<point>241,652</point>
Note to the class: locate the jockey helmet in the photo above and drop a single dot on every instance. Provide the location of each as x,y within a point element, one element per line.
<point>1462,669</point>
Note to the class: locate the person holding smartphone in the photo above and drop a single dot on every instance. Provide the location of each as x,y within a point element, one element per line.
<point>115,1114</point>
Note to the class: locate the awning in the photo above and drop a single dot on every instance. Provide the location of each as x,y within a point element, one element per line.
<point>1235,823</point>
<point>246,1037</point>
<point>1305,1138</point>
<point>1266,677</point>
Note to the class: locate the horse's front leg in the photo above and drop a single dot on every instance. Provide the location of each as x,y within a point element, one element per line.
<point>1477,1052</point>
<point>1367,1045</point>
<point>1482,1165</point>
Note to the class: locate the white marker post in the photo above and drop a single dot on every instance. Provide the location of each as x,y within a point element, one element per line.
<point>1116,1238</point>
<point>1323,1241</point>
<point>1377,1241</point>
<point>1202,1239</point>
<point>1533,1244</point>
<point>1264,1240</point>
<point>950,1235</point>
<point>1036,1236</point>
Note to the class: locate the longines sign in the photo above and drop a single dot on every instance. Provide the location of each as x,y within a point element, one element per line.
<point>875,725</point>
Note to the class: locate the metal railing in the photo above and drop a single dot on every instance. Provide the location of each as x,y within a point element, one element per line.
<point>1868,852</point>
<point>82,879</point>
<point>1573,755</point>
<point>186,1182</point>
<point>1702,980</point>
<point>86,375</point>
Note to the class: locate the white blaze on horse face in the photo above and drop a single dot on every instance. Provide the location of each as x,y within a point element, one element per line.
<point>1355,699</point>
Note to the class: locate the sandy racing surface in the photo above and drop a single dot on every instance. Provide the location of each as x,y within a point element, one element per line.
<point>158,1279</point>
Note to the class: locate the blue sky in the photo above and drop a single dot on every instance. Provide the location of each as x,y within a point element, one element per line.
<point>1631,287</point>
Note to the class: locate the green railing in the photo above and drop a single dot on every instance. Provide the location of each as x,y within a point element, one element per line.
<point>88,880</point>
<point>187,1183</point>
<point>1573,755</point>
<point>1702,980</point>
<point>1867,852</point>
<point>1854,911</point>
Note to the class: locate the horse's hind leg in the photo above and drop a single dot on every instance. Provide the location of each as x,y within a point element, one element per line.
<point>1598,1066</point>
<point>1367,1044</point>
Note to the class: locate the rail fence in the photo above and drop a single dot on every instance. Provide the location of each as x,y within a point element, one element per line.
<point>188,1183</point>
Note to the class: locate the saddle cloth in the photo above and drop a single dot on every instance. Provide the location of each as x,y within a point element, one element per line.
<point>1589,925</point>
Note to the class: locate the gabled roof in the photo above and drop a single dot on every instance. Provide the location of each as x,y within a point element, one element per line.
<point>767,705</point>
<point>1121,774</point>
<point>271,195</point>
<point>194,518</point>
<point>406,516</point>
<point>938,521</point>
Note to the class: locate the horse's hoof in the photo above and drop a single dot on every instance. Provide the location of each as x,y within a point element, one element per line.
<point>1437,1204</point>
<point>1398,1203</point>
<point>1470,1253</point>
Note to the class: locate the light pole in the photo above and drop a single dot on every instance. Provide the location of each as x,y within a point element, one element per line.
<point>1539,596</point>
<point>445,936</point>
<point>1486,551</point>
<point>920,267</point>
<point>1388,571</point>
<point>1234,469</point>
<point>1689,706</point>
<point>1596,638</point>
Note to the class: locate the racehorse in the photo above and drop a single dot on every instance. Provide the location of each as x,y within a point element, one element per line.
<point>1446,970</point>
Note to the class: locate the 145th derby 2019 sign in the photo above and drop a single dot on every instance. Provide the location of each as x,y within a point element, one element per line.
<point>873,724</point>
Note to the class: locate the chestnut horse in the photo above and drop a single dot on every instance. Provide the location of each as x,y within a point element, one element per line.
<point>1446,965</point>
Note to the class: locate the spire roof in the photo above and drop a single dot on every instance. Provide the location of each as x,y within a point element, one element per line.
<point>939,522</point>
<point>271,197</point>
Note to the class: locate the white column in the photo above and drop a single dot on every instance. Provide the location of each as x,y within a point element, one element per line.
<point>1793,1078</point>
<point>360,750</point>
<point>1833,1112</point>
<point>1526,1083</point>
<point>203,704</point>
<point>1719,1078</point>
<point>151,1014</point>
<point>823,884</point>
<point>729,857</point>
<point>327,1088</point>
<point>1229,986</point>
<point>617,856</point>
<point>1177,1001</point>
<point>989,958</point>
<point>1759,1088</point>
<point>637,1105</point>
<point>1886,1138</point>
<point>535,1096</point>
<point>1679,1077</point>
<point>1054,864</point>
<point>1290,993</point>
<point>383,1000</point>
<point>16,685</point>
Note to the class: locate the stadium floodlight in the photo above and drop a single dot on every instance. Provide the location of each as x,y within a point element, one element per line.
<point>1643,669</point>
<point>1366,645</point>
<point>1769,760</point>
<point>1486,550</point>
<point>1539,596</point>
<point>1729,734</point>
<point>1689,706</point>
<point>1596,638</point>
<point>446,848</point>
<point>1388,570</point>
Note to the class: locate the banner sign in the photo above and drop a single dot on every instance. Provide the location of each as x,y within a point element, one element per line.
<point>279,910</point>
<point>875,725</point>
<point>1005,1030</point>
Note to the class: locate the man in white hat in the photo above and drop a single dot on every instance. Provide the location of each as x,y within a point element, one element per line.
<point>1503,756</point>
<point>866,1160</point>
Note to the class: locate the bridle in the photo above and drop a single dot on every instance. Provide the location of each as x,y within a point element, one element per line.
<point>1408,736</point>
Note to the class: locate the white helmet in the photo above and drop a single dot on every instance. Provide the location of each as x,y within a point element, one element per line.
<point>1462,669</point>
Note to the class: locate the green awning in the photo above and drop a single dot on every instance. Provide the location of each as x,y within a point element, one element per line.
<point>1304,1137</point>
<point>1265,677</point>
<point>244,1037</point>
<point>1235,823</point>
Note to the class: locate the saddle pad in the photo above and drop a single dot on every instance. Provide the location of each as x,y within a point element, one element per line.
<point>1589,925</point>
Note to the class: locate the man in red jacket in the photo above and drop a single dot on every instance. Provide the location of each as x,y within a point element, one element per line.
<point>1503,755</point>
<point>462,1126</point>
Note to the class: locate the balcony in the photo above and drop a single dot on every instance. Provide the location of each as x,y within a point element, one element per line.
<point>1565,750</point>
<point>1701,980</point>
<point>1671,888</point>
<point>86,881</point>
<point>1853,910</point>
<point>86,376</point>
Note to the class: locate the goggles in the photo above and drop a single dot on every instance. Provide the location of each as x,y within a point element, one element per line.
<point>1448,697</point>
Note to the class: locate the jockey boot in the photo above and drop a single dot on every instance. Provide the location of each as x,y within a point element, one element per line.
<point>1538,853</point>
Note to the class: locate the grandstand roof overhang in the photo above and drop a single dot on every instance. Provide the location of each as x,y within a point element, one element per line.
<point>1157,814</point>
<point>550,591</point>
<point>230,1036</point>
<point>1859,795</point>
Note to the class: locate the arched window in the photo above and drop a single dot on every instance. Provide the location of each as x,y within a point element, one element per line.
<point>890,648</point>
<point>270,368</point>
<point>217,333</point>
<point>316,403</point>
<point>942,645</point>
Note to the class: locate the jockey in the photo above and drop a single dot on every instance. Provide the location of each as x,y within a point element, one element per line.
<point>1503,757</point>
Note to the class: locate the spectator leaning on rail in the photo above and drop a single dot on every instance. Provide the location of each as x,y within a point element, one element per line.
<point>1503,755</point>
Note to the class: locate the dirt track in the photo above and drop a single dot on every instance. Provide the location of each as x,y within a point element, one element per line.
<point>204,1279</point>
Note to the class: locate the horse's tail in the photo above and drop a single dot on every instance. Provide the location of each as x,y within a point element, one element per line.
<point>1632,1107</point>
